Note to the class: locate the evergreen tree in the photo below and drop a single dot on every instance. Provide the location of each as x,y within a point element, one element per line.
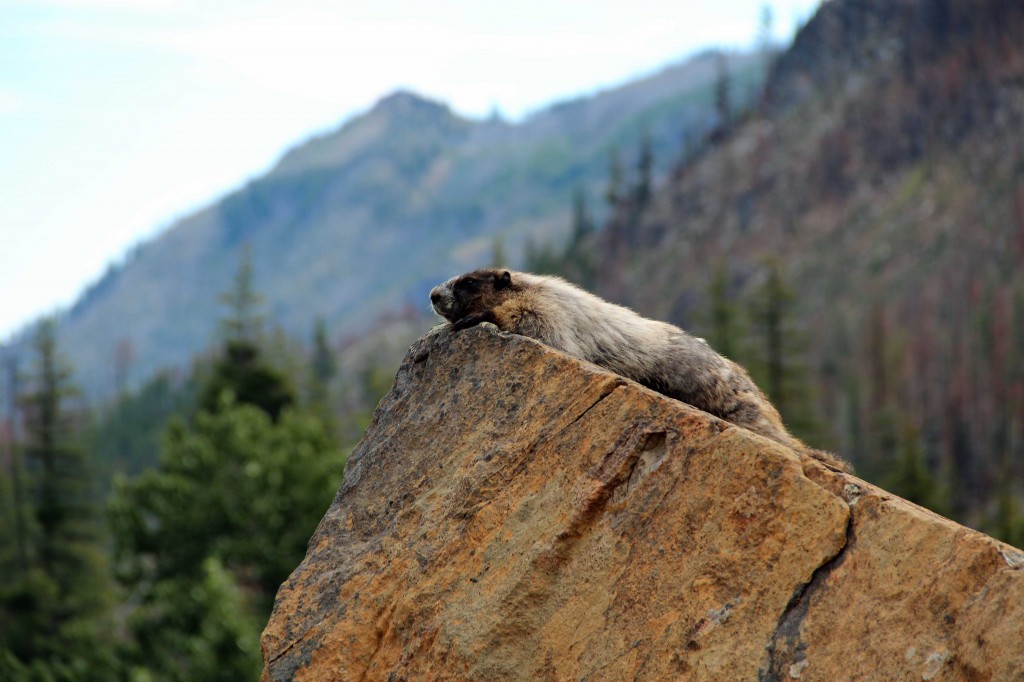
<point>126,436</point>
<point>1008,524</point>
<point>723,324</point>
<point>910,477</point>
<point>204,540</point>
<point>242,372</point>
<point>770,312</point>
<point>582,224</point>
<point>644,173</point>
<point>779,364</point>
<point>765,41</point>
<point>613,193</point>
<point>323,368</point>
<point>723,94</point>
<point>578,262</point>
<point>17,508</point>
<point>543,259</point>
<point>243,322</point>
<point>498,258</point>
<point>241,369</point>
<point>54,605</point>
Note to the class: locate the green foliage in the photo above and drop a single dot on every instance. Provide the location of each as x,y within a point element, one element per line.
<point>242,373</point>
<point>909,476</point>
<point>204,540</point>
<point>644,173</point>
<point>1008,521</point>
<point>55,599</point>
<point>779,350</point>
<point>582,224</point>
<point>323,368</point>
<point>126,437</point>
<point>544,258</point>
<point>194,629</point>
<point>243,321</point>
<point>498,257</point>
<point>614,194</point>
<point>722,322</point>
<point>723,94</point>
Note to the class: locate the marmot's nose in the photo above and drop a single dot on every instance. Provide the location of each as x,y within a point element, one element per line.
<point>434,297</point>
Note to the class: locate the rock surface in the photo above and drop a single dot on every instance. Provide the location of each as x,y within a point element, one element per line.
<point>513,514</point>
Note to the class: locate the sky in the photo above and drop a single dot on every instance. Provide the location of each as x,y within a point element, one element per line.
<point>119,116</point>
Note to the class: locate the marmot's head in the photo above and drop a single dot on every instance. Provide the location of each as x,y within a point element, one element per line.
<point>473,292</point>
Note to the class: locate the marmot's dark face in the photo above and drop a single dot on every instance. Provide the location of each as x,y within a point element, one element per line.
<point>474,292</point>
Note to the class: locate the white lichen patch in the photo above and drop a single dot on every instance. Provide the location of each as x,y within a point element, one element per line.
<point>933,665</point>
<point>797,669</point>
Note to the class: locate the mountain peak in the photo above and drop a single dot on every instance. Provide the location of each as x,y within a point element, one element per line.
<point>403,101</point>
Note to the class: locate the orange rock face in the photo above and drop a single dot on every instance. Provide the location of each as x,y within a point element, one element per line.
<point>513,514</point>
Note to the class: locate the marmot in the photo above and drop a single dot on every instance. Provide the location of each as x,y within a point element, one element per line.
<point>658,355</point>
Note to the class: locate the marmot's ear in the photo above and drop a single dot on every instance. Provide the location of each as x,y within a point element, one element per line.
<point>504,279</point>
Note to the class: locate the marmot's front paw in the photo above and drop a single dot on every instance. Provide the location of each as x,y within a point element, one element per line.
<point>473,320</point>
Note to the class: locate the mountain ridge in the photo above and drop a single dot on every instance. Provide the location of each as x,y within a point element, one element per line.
<point>326,225</point>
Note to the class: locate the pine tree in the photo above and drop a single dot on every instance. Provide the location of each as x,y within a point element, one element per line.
<point>765,41</point>
<point>723,94</point>
<point>582,224</point>
<point>204,540</point>
<point>910,478</point>
<point>644,173</point>
<point>613,193</point>
<point>771,311</point>
<point>323,367</point>
<point>723,324</point>
<point>243,321</point>
<point>19,532</point>
<point>498,258</point>
<point>578,261</point>
<point>779,364</point>
<point>241,369</point>
<point>54,607</point>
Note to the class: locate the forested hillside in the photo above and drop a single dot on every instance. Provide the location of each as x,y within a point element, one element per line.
<point>361,221</point>
<point>859,242</point>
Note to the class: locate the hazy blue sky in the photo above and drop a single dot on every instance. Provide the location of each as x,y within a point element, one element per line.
<point>116,116</point>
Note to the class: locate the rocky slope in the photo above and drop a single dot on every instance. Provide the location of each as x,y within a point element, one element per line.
<point>513,514</point>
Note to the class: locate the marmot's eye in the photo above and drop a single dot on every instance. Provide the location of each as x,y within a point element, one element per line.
<point>472,283</point>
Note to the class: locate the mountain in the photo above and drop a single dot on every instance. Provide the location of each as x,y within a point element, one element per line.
<point>884,177</point>
<point>365,219</point>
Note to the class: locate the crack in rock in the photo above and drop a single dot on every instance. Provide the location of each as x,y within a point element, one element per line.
<point>786,656</point>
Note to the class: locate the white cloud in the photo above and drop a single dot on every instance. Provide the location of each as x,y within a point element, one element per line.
<point>326,56</point>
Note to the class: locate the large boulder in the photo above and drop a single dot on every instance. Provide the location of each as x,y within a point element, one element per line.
<point>514,514</point>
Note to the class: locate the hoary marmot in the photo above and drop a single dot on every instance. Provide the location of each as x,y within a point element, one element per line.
<point>658,355</point>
